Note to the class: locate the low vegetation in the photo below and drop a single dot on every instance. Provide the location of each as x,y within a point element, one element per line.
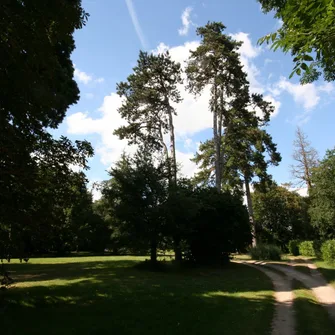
<point>92,295</point>
<point>265,252</point>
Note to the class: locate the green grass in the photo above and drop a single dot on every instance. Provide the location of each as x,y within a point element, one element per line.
<point>311,318</point>
<point>108,295</point>
<point>328,271</point>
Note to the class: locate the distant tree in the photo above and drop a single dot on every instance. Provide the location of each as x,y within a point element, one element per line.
<point>322,196</point>
<point>282,216</point>
<point>149,94</point>
<point>307,32</point>
<point>136,196</point>
<point>215,64</point>
<point>247,151</point>
<point>306,159</point>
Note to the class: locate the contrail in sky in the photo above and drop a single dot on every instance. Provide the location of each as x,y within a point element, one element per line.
<point>137,26</point>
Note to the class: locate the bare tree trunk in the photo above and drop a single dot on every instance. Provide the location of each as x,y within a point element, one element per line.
<point>250,210</point>
<point>173,175</point>
<point>216,142</point>
<point>153,251</point>
<point>306,157</point>
<point>172,146</point>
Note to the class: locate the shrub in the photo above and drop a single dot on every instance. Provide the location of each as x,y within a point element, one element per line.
<point>309,248</point>
<point>328,251</point>
<point>293,247</point>
<point>265,252</point>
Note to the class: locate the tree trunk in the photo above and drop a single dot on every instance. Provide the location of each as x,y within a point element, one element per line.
<point>172,145</point>
<point>250,210</point>
<point>216,142</point>
<point>153,251</point>
<point>178,256</point>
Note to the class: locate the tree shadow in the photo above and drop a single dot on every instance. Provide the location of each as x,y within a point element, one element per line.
<point>114,297</point>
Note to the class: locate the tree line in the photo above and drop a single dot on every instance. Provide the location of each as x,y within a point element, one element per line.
<point>146,206</point>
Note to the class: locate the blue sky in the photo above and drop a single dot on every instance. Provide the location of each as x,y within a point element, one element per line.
<point>107,49</point>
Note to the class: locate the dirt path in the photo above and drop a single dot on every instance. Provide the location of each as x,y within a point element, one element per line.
<point>283,322</point>
<point>323,291</point>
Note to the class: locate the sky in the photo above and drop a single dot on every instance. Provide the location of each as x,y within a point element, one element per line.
<point>107,49</point>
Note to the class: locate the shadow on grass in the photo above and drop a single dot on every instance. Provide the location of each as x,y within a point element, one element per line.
<point>115,297</point>
<point>328,271</point>
<point>311,317</point>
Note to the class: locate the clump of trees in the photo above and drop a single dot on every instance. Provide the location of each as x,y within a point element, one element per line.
<point>46,207</point>
<point>148,215</point>
<point>41,197</point>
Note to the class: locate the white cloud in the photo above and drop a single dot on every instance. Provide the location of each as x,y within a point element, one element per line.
<point>193,114</point>
<point>327,87</point>
<point>136,23</point>
<point>275,103</point>
<point>187,168</point>
<point>110,147</point>
<point>82,76</point>
<point>305,95</point>
<point>247,52</point>
<point>185,19</point>
<point>85,78</point>
<point>99,80</point>
<point>247,49</point>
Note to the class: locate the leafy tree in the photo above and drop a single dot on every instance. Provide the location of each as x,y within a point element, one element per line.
<point>248,151</point>
<point>215,64</point>
<point>220,227</point>
<point>282,216</point>
<point>149,94</point>
<point>36,76</point>
<point>136,196</point>
<point>307,32</point>
<point>306,158</point>
<point>322,195</point>
<point>53,192</point>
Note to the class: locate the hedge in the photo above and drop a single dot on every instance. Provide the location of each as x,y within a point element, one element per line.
<point>293,247</point>
<point>328,251</point>
<point>309,248</point>
<point>265,252</point>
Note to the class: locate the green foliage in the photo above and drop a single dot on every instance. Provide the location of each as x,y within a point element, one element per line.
<point>220,227</point>
<point>37,87</point>
<point>308,33</point>
<point>149,93</point>
<point>293,247</point>
<point>265,252</point>
<point>309,248</point>
<point>328,251</point>
<point>136,198</point>
<point>322,209</point>
<point>281,215</point>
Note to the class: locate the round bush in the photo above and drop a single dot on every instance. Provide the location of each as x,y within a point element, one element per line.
<point>293,247</point>
<point>328,251</point>
<point>309,248</point>
<point>265,252</point>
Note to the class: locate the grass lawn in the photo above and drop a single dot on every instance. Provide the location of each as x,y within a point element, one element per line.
<point>328,270</point>
<point>311,318</point>
<point>108,295</point>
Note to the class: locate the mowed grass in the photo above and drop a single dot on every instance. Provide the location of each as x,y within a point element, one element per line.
<point>328,271</point>
<point>311,317</point>
<point>110,295</point>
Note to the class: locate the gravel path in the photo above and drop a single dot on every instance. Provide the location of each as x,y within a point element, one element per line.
<point>283,322</point>
<point>323,291</point>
